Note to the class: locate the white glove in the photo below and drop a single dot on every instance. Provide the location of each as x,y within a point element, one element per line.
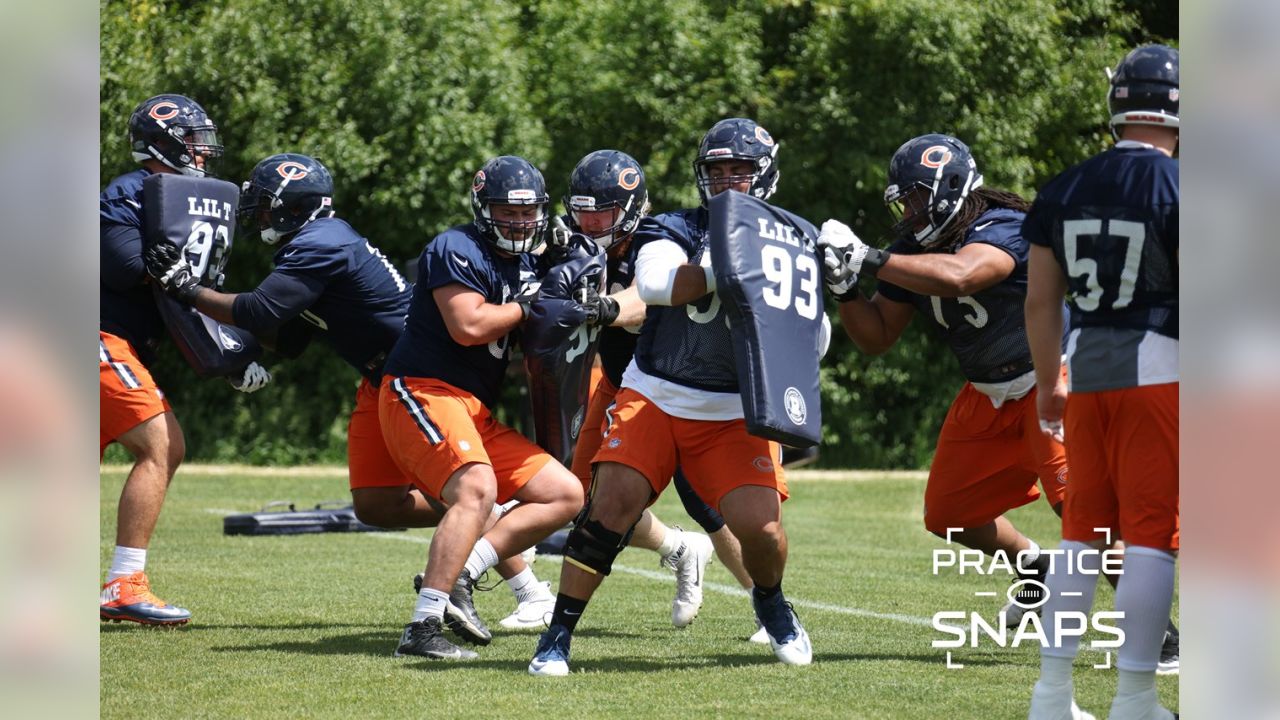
<point>842,256</point>
<point>560,233</point>
<point>255,378</point>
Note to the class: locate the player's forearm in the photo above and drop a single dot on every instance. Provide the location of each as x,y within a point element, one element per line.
<point>1043,316</point>
<point>932,274</point>
<point>631,309</point>
<point>486,323</point>
<point>216,305</point>
<point>865,326</point>
<point>688,284</point>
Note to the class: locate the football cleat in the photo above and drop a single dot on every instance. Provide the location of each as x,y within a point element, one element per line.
<point>689,562</point>
<point>532,614</point>
<point>1169,663</point>
<point>761,636</point>
<point>130,598</point>
<point>417,583</point>
<point>1047,704</point>
<point>787,636</point>
<point>1028,594</point>
<point>551,658</point>
<point>1143,706</point>
<point>461,616</point>
<point>425,638</point>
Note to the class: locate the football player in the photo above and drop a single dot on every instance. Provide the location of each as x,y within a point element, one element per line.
<point>607,198</point>
<point>959,259</point>
<point>329,280</point>
<point>168,134</point>
<point>443,378</point>
<point>1105,233</point>
<point>679,405</point>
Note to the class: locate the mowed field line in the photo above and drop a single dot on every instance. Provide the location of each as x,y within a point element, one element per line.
<point>340,471</point>
<point>669,578</point>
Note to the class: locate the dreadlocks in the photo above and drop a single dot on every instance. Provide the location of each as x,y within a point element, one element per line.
<point>978,202</point>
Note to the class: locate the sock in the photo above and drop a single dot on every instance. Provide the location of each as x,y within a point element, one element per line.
<point>1144,595</point>
<point>482,557</point>
<point>1061,581</point>
<point>525,586</point>
<point>1055,673</point>
<point>670,543</point>
<point>1035,562</point>
<point>1135,682</point>
<point>127,561</point>
<point>430,604</point>
<point>765,594</point>
<point>568,611</point>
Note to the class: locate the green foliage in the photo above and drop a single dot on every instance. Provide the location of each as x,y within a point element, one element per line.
<point>404,99</point>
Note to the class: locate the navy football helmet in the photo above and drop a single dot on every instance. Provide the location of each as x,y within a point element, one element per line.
<point>510,180</point>
<point>1144,88</point>
<point>738,139</point>
<point>608,180</point>
<point>292,189</point>
<point>176,131</point>
<point>929,179</point>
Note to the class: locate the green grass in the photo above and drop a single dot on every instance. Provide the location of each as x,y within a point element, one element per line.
<point>305,626</point>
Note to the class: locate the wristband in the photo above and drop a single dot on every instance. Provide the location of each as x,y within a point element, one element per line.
<point>874,260</point>
<point>711,278</point>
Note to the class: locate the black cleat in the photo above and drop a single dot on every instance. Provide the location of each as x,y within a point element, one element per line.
<point>461,616</point>
<point>1169,660</point>
<point>426,639</point>
<point>417,583</point>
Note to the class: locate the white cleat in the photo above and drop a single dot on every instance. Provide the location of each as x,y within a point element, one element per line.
<point>1053,705</point>
<point>690,563</point>
<point>530,556</point>
<point>797,651</point>
<point>761,636</point>
<point>532,614</point>
<point>1145,706</point>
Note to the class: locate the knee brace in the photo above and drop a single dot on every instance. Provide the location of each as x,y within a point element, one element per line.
<point>706,516</point>
<point>593,547</point>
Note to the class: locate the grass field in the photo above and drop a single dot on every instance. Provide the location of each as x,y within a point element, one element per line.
<point>305,626</point>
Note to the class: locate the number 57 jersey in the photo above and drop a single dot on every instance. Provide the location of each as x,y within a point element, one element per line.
<point>1112,224</point>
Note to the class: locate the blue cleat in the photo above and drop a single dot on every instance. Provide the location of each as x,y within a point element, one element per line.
<point>551,658</point>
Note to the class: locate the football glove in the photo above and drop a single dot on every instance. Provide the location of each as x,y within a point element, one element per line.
<point>844,257</point>
<point>254,379</point>
<point>601,309</point>
<point>167,265</point>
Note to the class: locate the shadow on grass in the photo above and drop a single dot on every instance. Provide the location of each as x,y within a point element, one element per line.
<point>203,627</point>
<point>378,640</point>
<point>701,662</point>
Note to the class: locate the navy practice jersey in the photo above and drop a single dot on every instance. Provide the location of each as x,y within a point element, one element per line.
<point>687,344</point>
<point>126,307</point>
<point>618,344</point>
<point>986,330</point>
<point>1112,223</point>
<point>426,350</point>
<point>337,281</point>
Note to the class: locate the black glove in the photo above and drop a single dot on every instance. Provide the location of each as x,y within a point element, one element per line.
<point>601,309</point>
<point>166,264</point>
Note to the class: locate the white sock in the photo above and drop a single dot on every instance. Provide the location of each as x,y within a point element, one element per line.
<point>1055,673</point>
<point>670,543</point>
<point>1144,595</point>
<point>1135,682</point>
<point>524,586</point>
<point>1069,591</point>
<point>482,557</point>
<point>1032,553</point>
<point>430,604</point>
<point>127,561</point>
